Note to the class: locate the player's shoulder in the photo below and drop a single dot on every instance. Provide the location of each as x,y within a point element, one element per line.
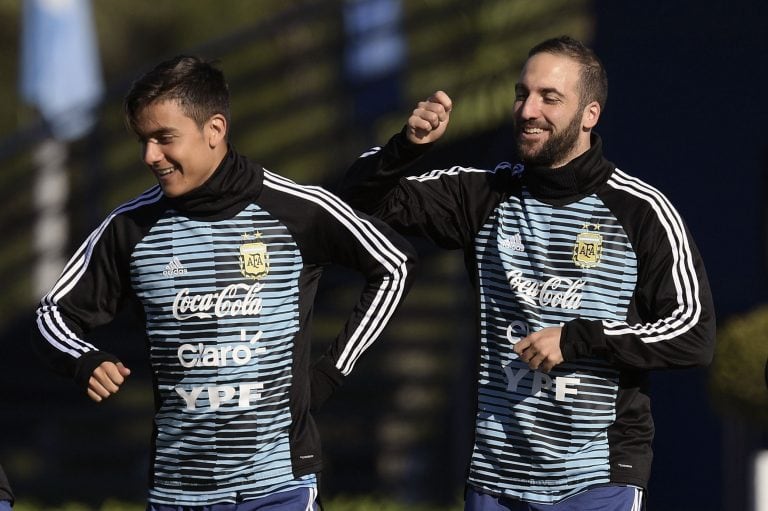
<point>142,210</point>
<point>634,188</point>
<point>285,197</point>
<point>308,192</point>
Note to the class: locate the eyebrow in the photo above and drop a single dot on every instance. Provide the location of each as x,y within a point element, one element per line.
<point>544,91</point>
<point>551,90</point>
<point>157,133</point>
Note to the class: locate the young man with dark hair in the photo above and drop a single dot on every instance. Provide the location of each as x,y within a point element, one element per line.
<point>222,259</point>
<point>586,279</point>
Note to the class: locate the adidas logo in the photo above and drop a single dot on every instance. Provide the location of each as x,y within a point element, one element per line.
<point>514,243</point>
<point>174,267</point>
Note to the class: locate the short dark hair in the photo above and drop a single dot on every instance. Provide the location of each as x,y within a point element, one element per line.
<point>593,85</point>
<point>196,84</point>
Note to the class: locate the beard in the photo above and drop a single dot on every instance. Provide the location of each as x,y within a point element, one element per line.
<point>554,150</point>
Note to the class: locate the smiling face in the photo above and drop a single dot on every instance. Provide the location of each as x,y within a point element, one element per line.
<point>180,154</point>
<point>552,125</point>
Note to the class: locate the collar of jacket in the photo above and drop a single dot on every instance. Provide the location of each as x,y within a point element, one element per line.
<point>577,179</point>
<point>234,184</point>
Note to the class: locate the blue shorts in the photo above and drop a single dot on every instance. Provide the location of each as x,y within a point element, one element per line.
<point>5,505</point>
<point>599,498</point>
<point>300,499</point>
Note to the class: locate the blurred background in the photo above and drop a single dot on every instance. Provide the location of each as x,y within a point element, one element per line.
<point>314,83</point>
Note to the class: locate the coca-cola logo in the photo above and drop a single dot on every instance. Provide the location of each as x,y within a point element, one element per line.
<point>233,300</point>
<point>554,292</point>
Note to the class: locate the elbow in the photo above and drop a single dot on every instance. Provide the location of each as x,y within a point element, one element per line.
<point>707,354</point>
<point>412,259</point>
<point>708,335</point>
<point>410,265</point>
<point>703,354</point>
<point>697,346</point>
<point>702,360</point>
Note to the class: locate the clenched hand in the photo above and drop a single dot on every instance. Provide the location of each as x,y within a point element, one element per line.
<point>106,380</point>
<point>541,350</point>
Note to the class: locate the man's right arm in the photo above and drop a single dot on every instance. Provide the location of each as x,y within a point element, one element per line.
<point>87,294</point>
<point>370,181</point>
<point>445,206</point>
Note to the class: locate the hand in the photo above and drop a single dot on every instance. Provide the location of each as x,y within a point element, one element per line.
<point>429,120</point>
<point>106,380</point>
<point>541,350</point>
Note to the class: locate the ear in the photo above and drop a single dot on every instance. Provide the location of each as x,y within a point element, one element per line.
<point>591,115</point>
<point>216,130</point>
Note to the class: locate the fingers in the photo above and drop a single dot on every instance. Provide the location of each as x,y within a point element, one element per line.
<point>521,346</point>
<point>94,396</point>
<point>124,371</point>
<point>540,350</point>
<point>419,125</point>
<point>528,353</point>
<point>533,358</point>
<point>429,119</point>
<point>106,380</point>
<point>436,109</point>
<point>442,98</point>
<point>430,113</point>
<point>538,361</point>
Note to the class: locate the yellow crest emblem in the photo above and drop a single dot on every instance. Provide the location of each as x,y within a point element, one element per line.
<point>588,248</point>
<point>254,259</point>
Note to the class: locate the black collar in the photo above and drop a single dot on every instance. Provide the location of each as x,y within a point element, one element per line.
<point>577,179</point>
<point>235,183</point>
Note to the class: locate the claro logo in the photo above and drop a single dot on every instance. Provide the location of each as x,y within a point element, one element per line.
<point>233,300</point>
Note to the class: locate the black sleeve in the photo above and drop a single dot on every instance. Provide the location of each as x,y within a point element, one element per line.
<point>332,233</point>
<point>672,322</point>
<point>387,263</point>
<point>378,170</point>
<point>447,206</point>
<point>87,294</point>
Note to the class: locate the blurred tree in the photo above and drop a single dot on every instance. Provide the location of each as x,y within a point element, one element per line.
<point>738,372</point>
<point>130,35</point>
<point>10,23</point>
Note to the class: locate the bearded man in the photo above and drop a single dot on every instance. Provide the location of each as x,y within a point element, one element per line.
<point>586,278</point>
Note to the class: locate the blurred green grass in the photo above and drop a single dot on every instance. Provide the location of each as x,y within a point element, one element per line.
<point>340,503</point>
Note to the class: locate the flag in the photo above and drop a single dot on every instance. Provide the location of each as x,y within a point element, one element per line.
<point>60,72</point>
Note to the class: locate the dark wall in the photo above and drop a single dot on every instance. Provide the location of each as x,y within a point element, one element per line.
<point>686,112</point>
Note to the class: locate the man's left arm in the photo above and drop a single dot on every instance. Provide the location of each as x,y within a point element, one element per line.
<point>386,261</point>
<point>672,321</point>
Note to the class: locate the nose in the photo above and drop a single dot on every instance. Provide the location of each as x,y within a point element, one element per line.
<point>528,108</point>
<point>151,153</point>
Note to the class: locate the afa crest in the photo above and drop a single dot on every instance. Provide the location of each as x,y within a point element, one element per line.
<point>588,248</point>
<point>254,259</point>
